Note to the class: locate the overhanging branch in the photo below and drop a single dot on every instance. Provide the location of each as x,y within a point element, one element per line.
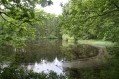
<point>3,18</point>
<point>105,13</point>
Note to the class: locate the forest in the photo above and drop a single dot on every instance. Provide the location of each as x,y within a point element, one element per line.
<point>85,33</point>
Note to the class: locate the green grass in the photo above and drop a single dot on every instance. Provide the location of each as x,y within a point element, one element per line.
<point>98,43</point>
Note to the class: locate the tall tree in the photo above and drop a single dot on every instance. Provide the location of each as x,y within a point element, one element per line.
<point>92,19</point>
<point>49,27</point>
<point>17,20</point>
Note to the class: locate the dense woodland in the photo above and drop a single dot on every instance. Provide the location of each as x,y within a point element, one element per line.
<point>21,23</point>
<point>92,19</point>
<point>81,19</point>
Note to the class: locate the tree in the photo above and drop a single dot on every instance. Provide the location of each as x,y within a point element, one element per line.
<point>17,20</point>
<point>92,19</point>
<point>49,27</point>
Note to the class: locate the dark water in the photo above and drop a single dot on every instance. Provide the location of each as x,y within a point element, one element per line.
<point>41,56</point>
<point>52,55</point>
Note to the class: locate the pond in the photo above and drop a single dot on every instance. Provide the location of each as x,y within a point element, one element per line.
<point>52,55</point>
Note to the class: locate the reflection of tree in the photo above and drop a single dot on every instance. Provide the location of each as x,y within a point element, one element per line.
<point>47,50</point>
<point>72,73</point>
<point>88,73</point>
<point>6,53</point>
<point>80,51</point>
<point>109,71</point>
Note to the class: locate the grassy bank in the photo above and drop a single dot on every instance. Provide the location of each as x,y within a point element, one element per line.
<point>99,43</point>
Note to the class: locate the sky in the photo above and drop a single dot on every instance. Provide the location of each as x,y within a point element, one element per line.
<point>55,8</point>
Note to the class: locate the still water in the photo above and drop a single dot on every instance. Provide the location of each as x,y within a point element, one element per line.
<point>42,56</point>
<point>52,55</point>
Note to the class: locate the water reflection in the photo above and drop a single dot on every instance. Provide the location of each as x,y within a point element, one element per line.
<point>95,61</point>
<point>50,55</point>
<point>45,66</point>
<point>39,56</point>
<point>6,54</point>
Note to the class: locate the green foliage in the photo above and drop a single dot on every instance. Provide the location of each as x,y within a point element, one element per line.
<point>15,32</point>
<point>15,72</point>
<point>17,20</point>
<point>92,19</point>
<point>48,27</point>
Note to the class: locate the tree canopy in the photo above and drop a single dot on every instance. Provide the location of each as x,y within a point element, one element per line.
<point>17,18</point>
<point>48,27</point>
<point>92,19</point>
